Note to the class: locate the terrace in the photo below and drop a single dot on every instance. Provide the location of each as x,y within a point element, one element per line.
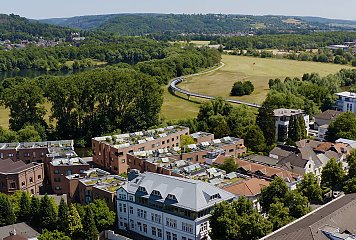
<point>129,139</point>
<point>68,161</point>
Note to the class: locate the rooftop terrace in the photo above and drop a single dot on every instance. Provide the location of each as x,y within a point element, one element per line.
<point>68,161</point>
<point>129,139</point>
<point>28,145</point>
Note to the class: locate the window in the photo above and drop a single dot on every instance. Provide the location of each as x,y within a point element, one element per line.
<point>159,233</point>
<point>57,179</point>
<point>141,189</point>
<point>168,141</point>
<point>10,155</point>
<point>172,139</point>
<point>124,208</point>
<point>31,180</point>
<point>187,227</point>
<point>204,227</point>
<point>163,142</point>
<point>189,159</point>
<point>174,236</point>
<point>120,207</point>
<point>215,196</point>
<point>139,225</point>
<point>141,213</point>
<point>132,224</point>
<point>145,228</point>
<point>32,191</point>
<point>168,235</point>
<point>231,150</point>
<point>26,154</point>
<point>156,193</point>
<point>171,222</point>
<point>39,176</point>
<point>58,188</point>
<point>171,196</point>
<point>23,184</point>
<point>156,218</point>
<point>123,160</point>
<point>131,210</point>
<point>131,198</point>
<point>184,238</point>
<point>122,196</point>
<point>12,185</point>
<point>57,171</point>
<point>69,172</point>
<point>154,232</point>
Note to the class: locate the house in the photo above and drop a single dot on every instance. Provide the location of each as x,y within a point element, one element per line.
<point>346,102</point>
<point>350,144</point>
<point>344,48</point>
<point>250,188</point>
<point>325,118</point>
<point>18,175</point>
<point>110,152</point>
<point>265,160</point>
<point>335,220</point>
<point>281,151</point>
<point>159,206</point>
<point>18,231</point>
<point>282,117</point>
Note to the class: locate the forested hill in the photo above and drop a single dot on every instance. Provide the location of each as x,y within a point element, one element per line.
<point>14,27</point>
<point>137,24</point>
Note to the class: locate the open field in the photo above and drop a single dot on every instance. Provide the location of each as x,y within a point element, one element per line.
<point>256,70</point>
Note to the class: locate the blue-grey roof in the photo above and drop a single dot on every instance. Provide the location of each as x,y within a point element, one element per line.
<point>190,194</point>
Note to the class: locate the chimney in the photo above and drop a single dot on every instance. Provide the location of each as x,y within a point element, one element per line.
<point>13,232</point>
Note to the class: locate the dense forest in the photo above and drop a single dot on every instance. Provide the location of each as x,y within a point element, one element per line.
<point>139,24</point>
<point>13,27</point>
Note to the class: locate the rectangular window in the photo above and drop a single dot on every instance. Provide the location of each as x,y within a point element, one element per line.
<point>124,208</point>
<point>141,213</point>
<point>204,227</point>
<point>39,176</point>
<point>145,228</point>
<point>174,236</point>
<point>171,222</point>
<point>57,171</point>
<point>132,224</point>
<point>169,235</point>
<point>131,210</point>
<point>139,225</point>
<point>23,184</point>
<point>31,180</point>
<point>120,207</point>
<point>154,232</point>
<point>159,232</point>
<point>156,218</point>
<point>186,227</point>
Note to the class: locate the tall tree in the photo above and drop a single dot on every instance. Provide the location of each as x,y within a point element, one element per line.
<point>333,175</point>
<point>279,215</point>
<point>273,193</point>
<point>265,120</point>
<point>48,214</point>
<point>7,215</point>
<point>55,235</point>
<point>103,216</point>
<point>25,102</point>
<point>229,165</point>
<point>75,226</point>
<point>310,188</point>
<point>297,204</point>
<point>254,139</point>
<point>301,128</point>
<point>90,232</point>
<point>35,212</point>
<point>343,127</point>
<point>62,216</point>
<point>293,129</point>
<point>25,213</point>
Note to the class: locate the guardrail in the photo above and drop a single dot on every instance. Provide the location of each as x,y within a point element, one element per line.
<point>173,86</point>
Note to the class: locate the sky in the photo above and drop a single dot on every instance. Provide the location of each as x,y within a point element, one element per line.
<point>40,9</point>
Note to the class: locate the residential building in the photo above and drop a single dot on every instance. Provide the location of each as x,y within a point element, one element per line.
<point>350,144</point>
<point>32,151</point>
<point>18,231</point>
<point>325,118</point>
<point>110,152</point>
<point>93,184</point>
<point>335,220</point>
<point>261,159</point>
<point>170,160</point>
<point>59,168</point>
<point>200,137</point>
<point>250,188</point>
<point>344,48</point>
<point>346,102</point>
<point>159,206</point>
<point>282,117</point>
<point>20,176</point>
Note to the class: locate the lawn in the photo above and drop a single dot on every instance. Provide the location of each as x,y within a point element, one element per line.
<point>256,70</point>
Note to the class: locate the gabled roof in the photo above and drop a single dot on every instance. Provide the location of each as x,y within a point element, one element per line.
<point>190,194</point>
<point>8,166</point>
<point>248,188</point>
<point>351,143</point>
<point>283,151</point>
<point>328,115</point>
<point>339,213</point>
<point>21,229</point>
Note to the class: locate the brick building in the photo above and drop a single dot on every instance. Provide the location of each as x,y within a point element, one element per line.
<point>60,168</point>
<point>110,152</point>
<point>20,176</point>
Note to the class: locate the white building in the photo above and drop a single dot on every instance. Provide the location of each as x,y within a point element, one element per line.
<point>164,207</point>
<point>346,102</point>
<point>282,117</point>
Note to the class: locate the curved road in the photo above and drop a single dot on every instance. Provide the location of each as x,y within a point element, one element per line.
<point>173,86</point>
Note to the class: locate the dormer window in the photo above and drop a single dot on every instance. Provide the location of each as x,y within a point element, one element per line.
<point>141,189</point>
<point>215,196</point>
<point>156,193</point>
<point>171,197</point>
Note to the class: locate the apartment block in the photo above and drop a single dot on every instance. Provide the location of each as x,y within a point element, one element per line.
<point>346,102</point>
<point>158,206</point>
<point>17,175</point>
<point>110,152</point>
<point>93,184</point>
<point>59,168</point>
<point>282,117</point>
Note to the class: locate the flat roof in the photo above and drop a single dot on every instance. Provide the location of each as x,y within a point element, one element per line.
<point>68,161</point>
<point>346,94</point>
<point>287,112</point>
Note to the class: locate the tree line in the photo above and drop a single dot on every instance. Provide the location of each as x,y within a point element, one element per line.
<point>61,222</point>
<point>95,102</point>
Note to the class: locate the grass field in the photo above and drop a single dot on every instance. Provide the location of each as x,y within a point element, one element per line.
<point>256,70</point>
